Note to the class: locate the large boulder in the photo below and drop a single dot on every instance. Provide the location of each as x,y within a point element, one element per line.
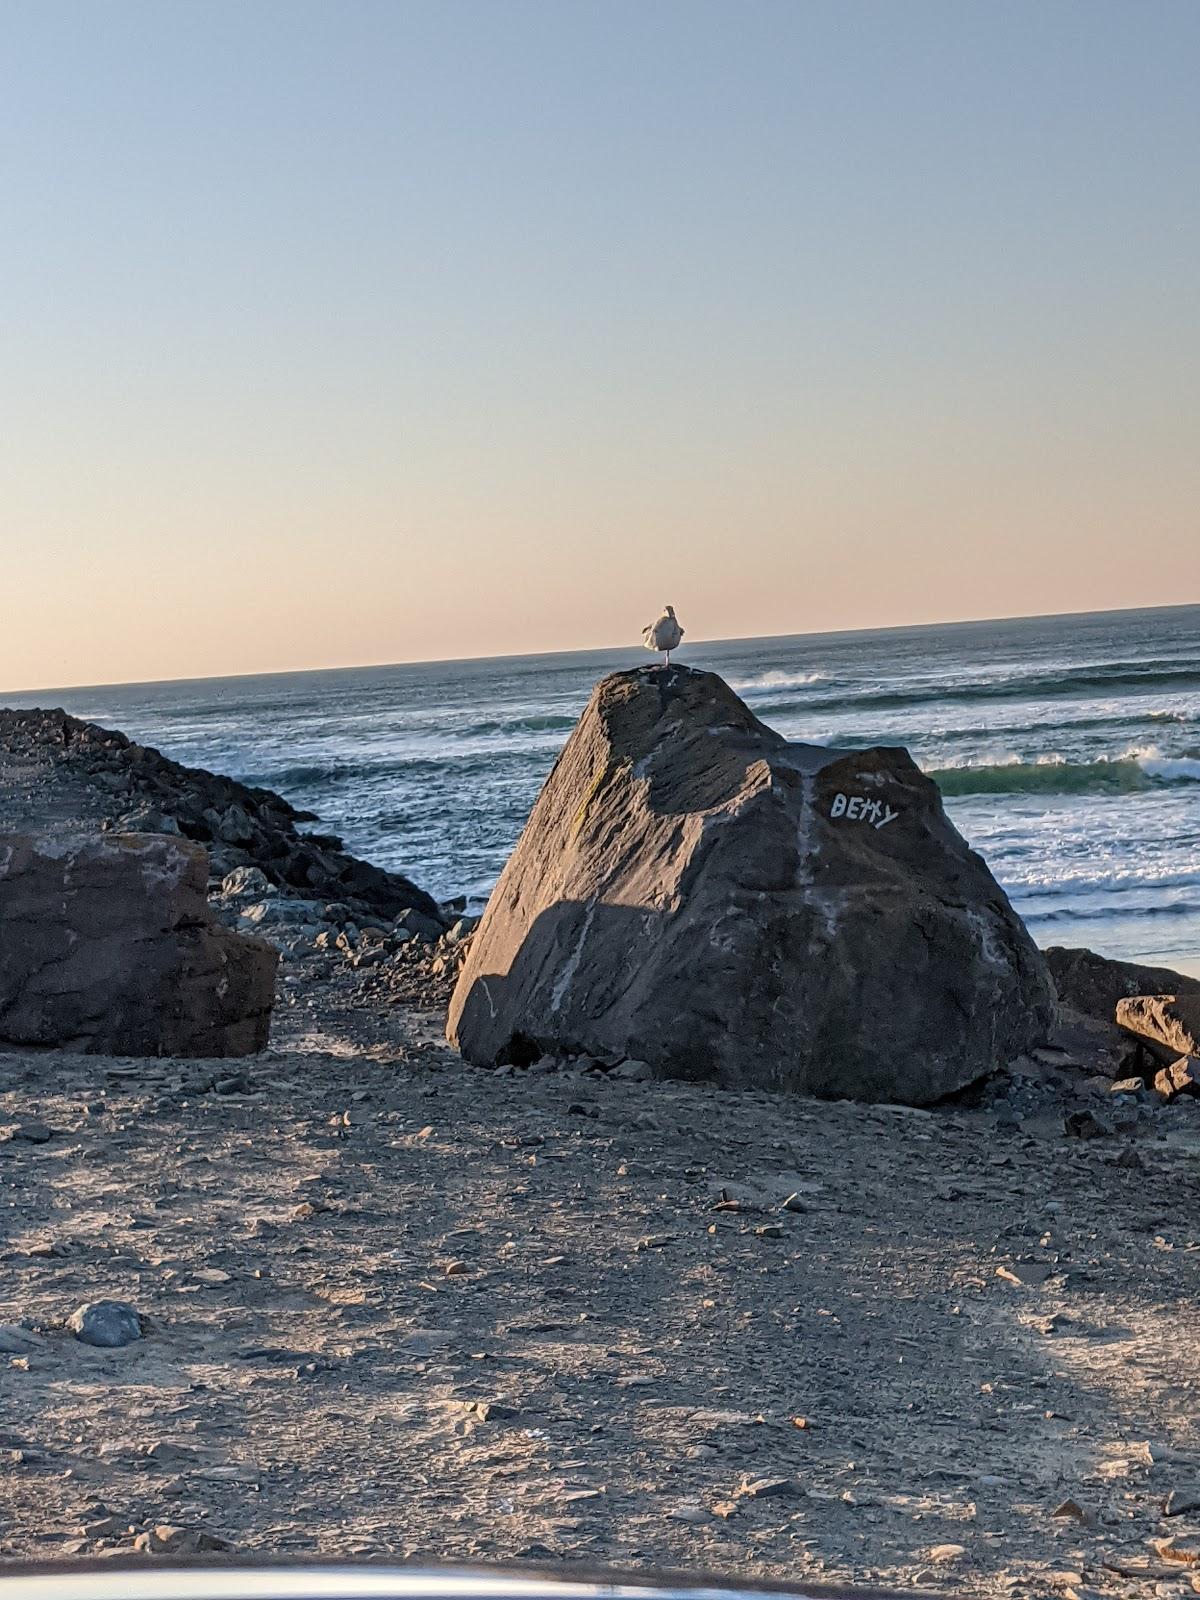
<point>695,892</point>
<point>1094,985</point>
<point>107,944</point>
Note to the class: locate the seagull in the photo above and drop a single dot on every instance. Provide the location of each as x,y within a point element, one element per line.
<point>664,634</point>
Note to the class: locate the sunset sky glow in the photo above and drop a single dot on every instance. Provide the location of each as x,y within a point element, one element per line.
<point>370,332</point>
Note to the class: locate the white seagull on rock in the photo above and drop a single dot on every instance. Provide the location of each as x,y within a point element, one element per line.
<point>663,634</point>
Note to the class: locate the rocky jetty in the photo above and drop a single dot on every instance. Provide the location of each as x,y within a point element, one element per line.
<point>59,773</point>
<point>107,945</point>
<point>695,892</point>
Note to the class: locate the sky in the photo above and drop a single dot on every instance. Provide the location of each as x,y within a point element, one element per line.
<point>364,332</point>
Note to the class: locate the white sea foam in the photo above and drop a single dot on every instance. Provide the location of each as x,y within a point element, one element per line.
<point>1167,769</point>
<point>778,680</point>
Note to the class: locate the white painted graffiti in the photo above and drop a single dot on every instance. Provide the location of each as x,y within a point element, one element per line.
<point>857,808</point>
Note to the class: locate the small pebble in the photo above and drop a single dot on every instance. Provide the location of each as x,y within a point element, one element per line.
<point>107,1324</point>
<point>946,1554</point>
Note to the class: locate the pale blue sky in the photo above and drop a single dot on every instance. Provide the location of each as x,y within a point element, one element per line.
<point>357,332</point>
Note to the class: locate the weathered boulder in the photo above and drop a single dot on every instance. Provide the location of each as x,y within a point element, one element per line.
<point>1093,984</point>
<point>107,944</point>
<point>1170,1022</point>
<point>694,891</point>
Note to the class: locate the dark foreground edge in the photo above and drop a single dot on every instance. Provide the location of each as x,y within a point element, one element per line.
<point>209,1579</point>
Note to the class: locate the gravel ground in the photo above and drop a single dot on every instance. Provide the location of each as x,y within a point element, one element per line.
<point>394,1306</point>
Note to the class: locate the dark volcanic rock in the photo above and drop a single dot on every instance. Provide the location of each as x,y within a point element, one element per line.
<point>693,891</point>
<point>107,944</point>
<point>62,771</point>
<point>1093,984</point>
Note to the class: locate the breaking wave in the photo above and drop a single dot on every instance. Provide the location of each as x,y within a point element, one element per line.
<point>1088,682</point>
<point>1137,770</point>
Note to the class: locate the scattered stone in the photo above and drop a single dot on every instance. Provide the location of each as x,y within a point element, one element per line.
<point>103,1528</point>
<point>1182,1077</point>
<point>492,1410</point>
<point>250,883</point>
<point>419,924</point>
<point>1140,1567</point>
<point>1026,1274</point>
<point>1178,1550</point>
<point>1087,1125</point>
<point>1073,1510</point>
<point>164,1453</point>
<point>944,1555</point>
<point>770,1488</point>
<point>17,1341</point>
<point>1180,1501</point>
<point>691,1513</point>
<point>27,1133</point>
<point>1156,1453</point>
<point>1057,1322</point>
<point>631,1072</point>
<point>107,1324</point>
<point>169,1539</point>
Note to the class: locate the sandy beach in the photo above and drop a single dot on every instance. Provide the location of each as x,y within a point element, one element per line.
<point>395,1305</point>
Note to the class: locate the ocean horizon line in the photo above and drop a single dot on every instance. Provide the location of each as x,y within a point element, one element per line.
<point>594,650</point>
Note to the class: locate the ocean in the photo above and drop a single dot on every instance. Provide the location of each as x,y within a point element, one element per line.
<point>1067,749</point>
